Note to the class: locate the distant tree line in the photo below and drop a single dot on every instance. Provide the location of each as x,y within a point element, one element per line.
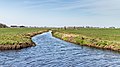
<point>3,25</point>
<point>79,27</point>
<point>15,26</point>
<point>65,27</point>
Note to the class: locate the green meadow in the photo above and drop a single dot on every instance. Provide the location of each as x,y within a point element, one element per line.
<point>99,33</point>
<point>11,36</point>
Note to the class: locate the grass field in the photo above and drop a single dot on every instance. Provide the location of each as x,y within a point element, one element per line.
<point>11,36</point>
<point>102,33</point>
<point>97,37</point>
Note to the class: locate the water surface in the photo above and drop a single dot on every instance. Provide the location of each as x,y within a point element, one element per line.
<point>53,52</point>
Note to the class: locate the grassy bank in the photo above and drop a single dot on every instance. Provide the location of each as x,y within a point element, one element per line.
<point>100,38</point>
<point>17,38</point>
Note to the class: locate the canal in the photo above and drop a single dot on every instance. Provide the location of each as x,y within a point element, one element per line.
<point>52,52</point>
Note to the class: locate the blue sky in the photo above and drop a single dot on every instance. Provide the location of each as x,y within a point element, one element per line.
<point>60,12</point>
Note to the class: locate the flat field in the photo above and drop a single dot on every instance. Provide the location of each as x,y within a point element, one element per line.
<point>99,33</point>
<point>11,36</point>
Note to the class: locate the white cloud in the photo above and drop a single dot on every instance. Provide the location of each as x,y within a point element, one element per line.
<point>99,7</point>
<point>102,7</point>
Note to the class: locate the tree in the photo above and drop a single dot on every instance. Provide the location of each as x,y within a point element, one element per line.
<point>3,25</point>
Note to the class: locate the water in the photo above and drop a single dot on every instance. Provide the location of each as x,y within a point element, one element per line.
<point>52,52</point>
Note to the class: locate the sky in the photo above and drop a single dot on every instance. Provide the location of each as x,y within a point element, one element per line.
<point>100,13</point>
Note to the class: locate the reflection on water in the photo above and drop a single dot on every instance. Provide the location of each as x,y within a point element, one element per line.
<point>52,52</point>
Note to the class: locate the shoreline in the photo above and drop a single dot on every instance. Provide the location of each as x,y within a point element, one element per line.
<point>22,45</point>
<point>73,38</point>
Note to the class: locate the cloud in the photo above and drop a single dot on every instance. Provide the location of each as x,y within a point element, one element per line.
<point>102,7</point>
<point>98,7</point>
